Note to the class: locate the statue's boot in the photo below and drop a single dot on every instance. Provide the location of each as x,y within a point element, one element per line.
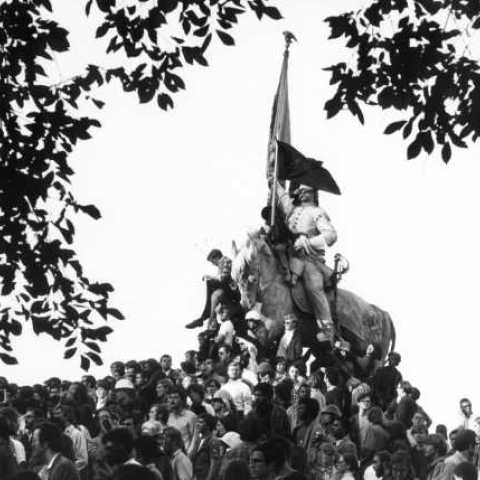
<point>195,324</point>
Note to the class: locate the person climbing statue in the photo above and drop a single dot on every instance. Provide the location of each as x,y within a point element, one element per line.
<point>222,287</point>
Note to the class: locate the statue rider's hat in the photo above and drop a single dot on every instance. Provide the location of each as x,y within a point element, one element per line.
<point>303,188</point>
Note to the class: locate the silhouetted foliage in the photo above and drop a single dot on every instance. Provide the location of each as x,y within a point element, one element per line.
<point>412,56</point>
<point>42,279</point>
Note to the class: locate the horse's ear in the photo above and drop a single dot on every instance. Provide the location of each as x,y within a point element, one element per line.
<point>235,249</point>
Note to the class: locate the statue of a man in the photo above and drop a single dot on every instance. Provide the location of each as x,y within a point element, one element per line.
<point>313,233</point>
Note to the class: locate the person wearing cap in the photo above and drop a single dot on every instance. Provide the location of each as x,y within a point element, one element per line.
<point>314,233</point>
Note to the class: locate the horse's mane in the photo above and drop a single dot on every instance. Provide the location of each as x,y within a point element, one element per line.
<point>247,253</point>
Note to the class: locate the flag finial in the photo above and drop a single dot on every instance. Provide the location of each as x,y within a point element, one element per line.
<point>289,38</point>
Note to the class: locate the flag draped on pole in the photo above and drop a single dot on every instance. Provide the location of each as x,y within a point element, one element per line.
<point>294,166</point>
<point>280,122</point>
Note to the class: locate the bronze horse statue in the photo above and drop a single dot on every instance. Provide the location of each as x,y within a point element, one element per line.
<point>260,279</point>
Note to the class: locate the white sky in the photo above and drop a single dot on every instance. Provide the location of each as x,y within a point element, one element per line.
<point>173,185</point>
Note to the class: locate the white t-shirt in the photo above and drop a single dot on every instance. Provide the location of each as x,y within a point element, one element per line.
<point>370,474</point>
<point>19,450</point>
<point>240,393</point>
<point>227,331</point>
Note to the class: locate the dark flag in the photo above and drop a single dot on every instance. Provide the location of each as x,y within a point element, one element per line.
<point>294,166</point>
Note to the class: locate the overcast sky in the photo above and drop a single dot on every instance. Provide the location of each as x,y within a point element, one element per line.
<point>173,185</point>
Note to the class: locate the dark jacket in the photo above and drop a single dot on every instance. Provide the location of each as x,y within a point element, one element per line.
<point>294,349</point>
<point>63,469</point>
<point>201,460</point>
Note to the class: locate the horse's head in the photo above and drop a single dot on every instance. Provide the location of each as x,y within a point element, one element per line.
<point>246,269</point>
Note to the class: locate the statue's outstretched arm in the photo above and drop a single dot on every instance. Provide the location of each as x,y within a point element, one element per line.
<point>283,199</point>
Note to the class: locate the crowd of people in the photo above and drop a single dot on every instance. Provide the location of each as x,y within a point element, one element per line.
<point>231,416</point>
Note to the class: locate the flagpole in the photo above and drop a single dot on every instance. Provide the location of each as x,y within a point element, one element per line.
<point>289,37</point>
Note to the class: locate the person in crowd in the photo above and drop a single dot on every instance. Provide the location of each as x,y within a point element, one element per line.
<point>239,445</point>
<point>224,359</point>
<point>65,416</point>
<point>359,423</point>
<point>118,450</point>
<point>149,454</point>
<point>238,390</point>
<point>304,432</point>
<point>385,381</point>
<point>117,370</point>
<point>464,445</point>
<point>380,467</point>
<point>243,414</point>
<point>102,394</point>
<point>47,442</point>
<point>434,450</point>
<point>290,344</point>
<point>405,405</point>
<point>341,438</point>
<point>376,436</point>
<point>173,446</point>
<point>273,417</point>
<point>180,417</point>
<point>467,416</point>
<point>346,467</point>
<point>302,393</point>
<point>280,365</point>
<point>8,462</point>
<point>157,420</point>
<point>465,471</point>
<point>401,466</point>
<point>205,441</point>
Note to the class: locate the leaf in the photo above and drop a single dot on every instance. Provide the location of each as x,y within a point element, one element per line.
<point>115,313</point>
<point>333,106</point>
<point>427,141</point>
<point>102,333</point>
<point>90,210</point>
<point>8,359</point>
<point>102,30</point>
<point>225,38</point>
<point>93,346</point>
<point>446,152</point>
<point>272,12</point>
<point>95,357</point>
<point>414,149</point>
<point>69,353</point>
<point>476,23</point>
<point>88,7</point>
<point>393,127</point>
<point>70,342</point>
<point>164,101</point>
<point>98,103</point>
<point>104,5</point>
<point>201,32</point>
<point>355,109</point>
<point>84,363</point>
